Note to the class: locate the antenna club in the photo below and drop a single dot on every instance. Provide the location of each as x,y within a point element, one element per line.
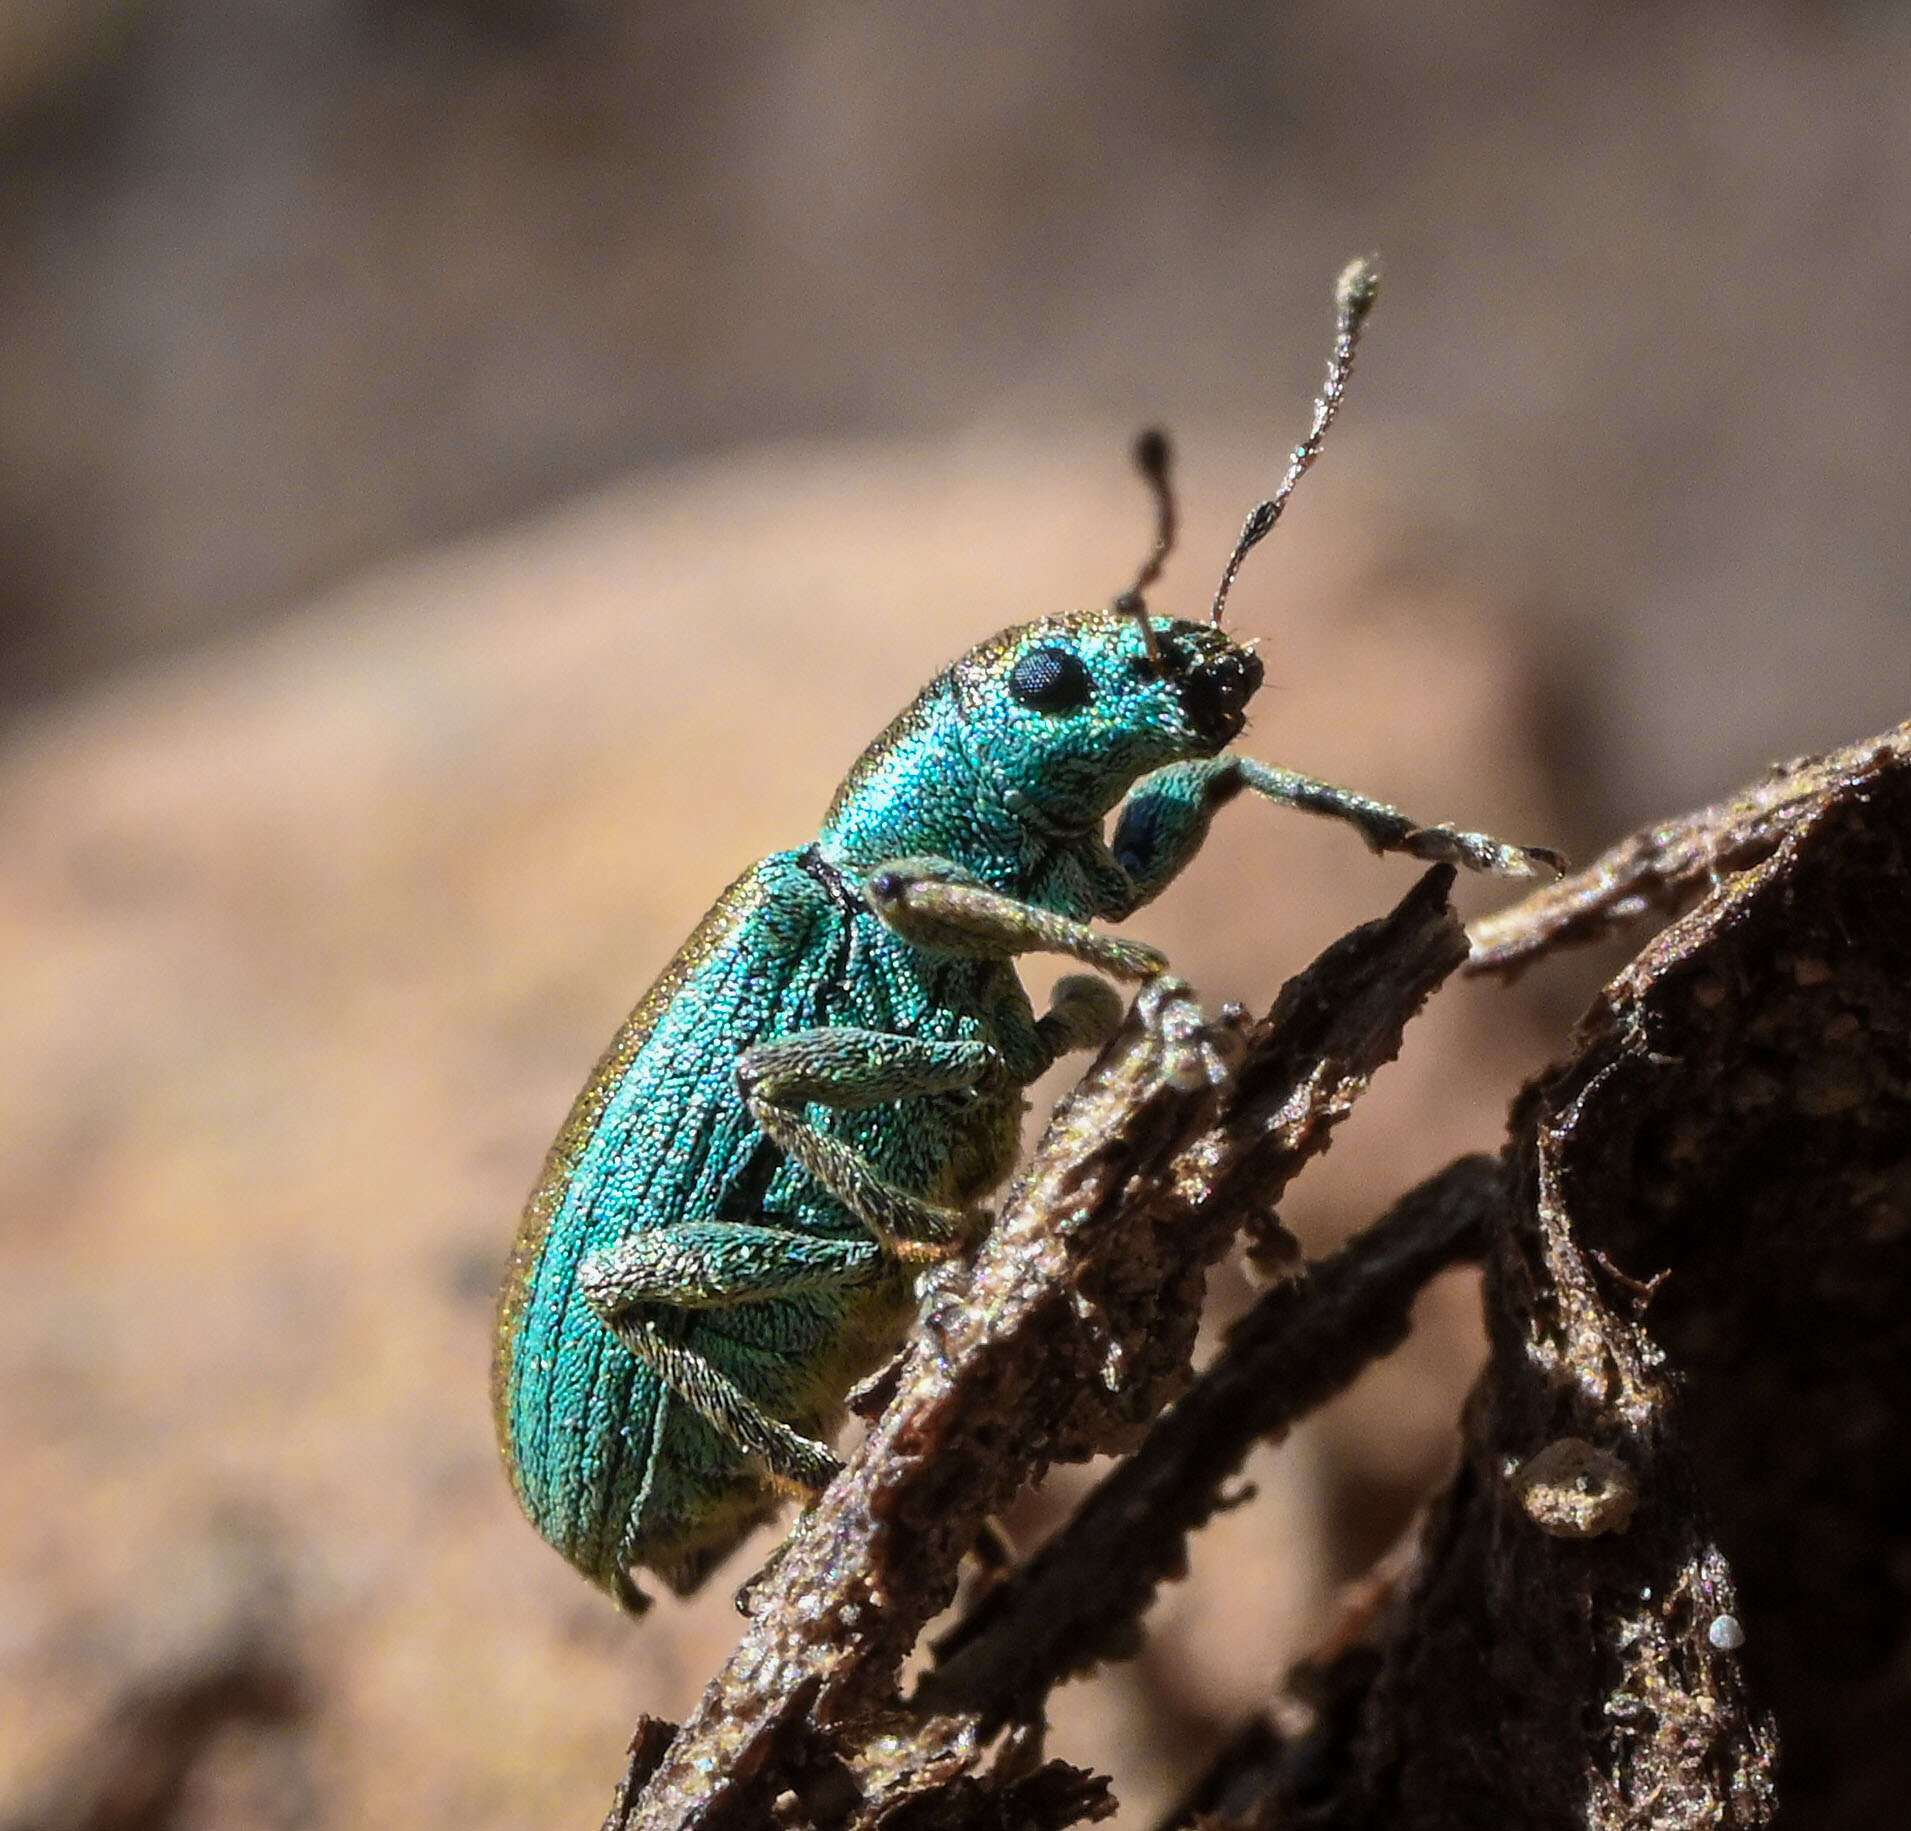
<point>1357,288</point>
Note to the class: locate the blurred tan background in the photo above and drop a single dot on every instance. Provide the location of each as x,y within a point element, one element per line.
<point>473,474</point>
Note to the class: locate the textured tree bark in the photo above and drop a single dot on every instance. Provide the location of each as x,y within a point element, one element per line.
<point>1676,1550</point>
<point>1070,1333</point>
<point>1677,1543</point>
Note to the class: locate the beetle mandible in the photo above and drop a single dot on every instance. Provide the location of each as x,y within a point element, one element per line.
<point>815,1095</point>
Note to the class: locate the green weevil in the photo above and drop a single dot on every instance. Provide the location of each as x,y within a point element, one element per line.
<point>812,1100</point>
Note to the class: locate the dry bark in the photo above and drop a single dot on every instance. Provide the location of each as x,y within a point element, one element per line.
<point>1677,1540</point>
<point>1676,1549</point>
<point>1070,1333</point>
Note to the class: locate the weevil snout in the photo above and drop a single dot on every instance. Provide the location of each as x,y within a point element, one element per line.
<point>1217,679</point>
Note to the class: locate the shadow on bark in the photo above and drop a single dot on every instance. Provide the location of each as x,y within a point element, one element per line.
<point>1668,1586</point>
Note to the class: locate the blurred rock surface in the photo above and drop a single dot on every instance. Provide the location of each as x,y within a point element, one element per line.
<point>293,286</point>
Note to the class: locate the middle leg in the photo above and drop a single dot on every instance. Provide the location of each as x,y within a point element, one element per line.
<point>702,1265</point>
<point>937,905</point>
<point>846,1067</point>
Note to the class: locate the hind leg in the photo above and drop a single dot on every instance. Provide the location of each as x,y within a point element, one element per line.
<point>712,1265</point>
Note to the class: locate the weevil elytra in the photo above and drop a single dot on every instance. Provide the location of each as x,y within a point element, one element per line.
<point>815,1095</point>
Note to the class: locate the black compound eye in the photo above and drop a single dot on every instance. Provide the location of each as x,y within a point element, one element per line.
<point>1051,680</point>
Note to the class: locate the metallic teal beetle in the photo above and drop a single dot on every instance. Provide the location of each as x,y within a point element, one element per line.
<point>826,1080</point>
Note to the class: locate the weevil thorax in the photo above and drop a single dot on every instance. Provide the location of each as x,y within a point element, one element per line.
<point>1029,740</point>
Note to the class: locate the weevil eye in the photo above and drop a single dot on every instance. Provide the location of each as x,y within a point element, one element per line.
<point>1050,680</point>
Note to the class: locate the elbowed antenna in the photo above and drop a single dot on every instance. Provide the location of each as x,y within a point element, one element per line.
<point>1154,457</point>
<point>1354,295</point>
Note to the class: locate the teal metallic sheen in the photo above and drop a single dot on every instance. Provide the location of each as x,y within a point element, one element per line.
<point>690,1296</point>
<point>612,1466</point>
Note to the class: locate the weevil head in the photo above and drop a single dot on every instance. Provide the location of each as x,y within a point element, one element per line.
<point>1038,732</point>
<point>1071,710</point>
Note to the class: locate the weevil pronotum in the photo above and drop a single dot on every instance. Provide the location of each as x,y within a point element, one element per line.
<point>815,1095</point>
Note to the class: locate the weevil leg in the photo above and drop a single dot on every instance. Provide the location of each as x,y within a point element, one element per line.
<point>1164,823</point>
<point>1165,819</point>
<point>630,1598</point>
<point>1386,829</point>
<point>934,904</point>
<point>842,1066</point>
<point>848,1067</point>
<point>711,1265</point>
<point>702,1265</point>
<point>1083,1013</point>
<point>905,1226</point>
<point>744,1598</point>
<point>795,1461</point>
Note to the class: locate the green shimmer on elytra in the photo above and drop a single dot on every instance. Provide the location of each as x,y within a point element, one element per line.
<point>822,1085</point>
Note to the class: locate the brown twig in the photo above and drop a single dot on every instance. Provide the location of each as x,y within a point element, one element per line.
<point>1067,1336</point>
<point>1303,1342</point>
<point>1661,868</point>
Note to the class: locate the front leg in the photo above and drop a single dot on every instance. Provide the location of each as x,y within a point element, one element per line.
<point>1165,820</point>
<point>1083,1013</point>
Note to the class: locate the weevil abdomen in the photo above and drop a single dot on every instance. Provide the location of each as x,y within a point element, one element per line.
<point>611,1465</point>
